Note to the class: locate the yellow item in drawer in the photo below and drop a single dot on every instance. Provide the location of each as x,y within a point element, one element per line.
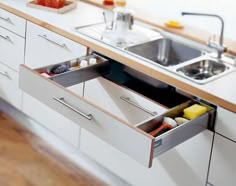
<point>194,111</point>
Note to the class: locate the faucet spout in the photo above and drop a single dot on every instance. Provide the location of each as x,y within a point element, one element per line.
<point>219,47</point>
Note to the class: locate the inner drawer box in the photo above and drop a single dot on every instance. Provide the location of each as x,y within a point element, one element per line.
<point>130,136</point>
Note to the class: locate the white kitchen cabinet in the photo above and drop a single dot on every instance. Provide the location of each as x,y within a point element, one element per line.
<point>12,49</point>
<point>223,162</point>
<point>11,56</point>
<point>12,22</point>
<point>44,47</point>
<point>185,165</point>
<point>9,90</point>
<point>226,123</point>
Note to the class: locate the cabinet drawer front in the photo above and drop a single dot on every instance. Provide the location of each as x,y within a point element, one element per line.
<point>125,138</point>
<point>111,111</point>
<point>55,122</point>
<point>125,104</point>
<point>44,47</point>
<point>12,22</point>
<point>9,90</point>
<point>12,49</point>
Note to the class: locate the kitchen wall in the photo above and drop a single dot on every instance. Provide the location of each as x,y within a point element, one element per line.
<point>171,10</point>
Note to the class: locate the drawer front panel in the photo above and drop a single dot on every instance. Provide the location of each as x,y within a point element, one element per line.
<point>12,22</point>
<point>223,163</point>
<point>9,90</point>
<point>44,47</point>
<point>12,49</point>
<point>55,122</point>
<point>127,139</point>
<point>125,104</point>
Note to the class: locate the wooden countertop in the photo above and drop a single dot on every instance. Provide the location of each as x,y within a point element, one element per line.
<point>220,92</point>
<point>27,160</point>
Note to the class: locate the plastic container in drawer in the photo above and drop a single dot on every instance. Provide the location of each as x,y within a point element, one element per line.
<point>113,108</point>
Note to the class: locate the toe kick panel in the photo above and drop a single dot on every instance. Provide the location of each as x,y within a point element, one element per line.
<point>114,112</point>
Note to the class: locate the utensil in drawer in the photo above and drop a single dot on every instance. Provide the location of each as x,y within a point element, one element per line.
<point>167,124</point>
<point>58,69</point>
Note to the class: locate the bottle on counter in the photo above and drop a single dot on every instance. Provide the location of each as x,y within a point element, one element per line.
<point>123,18</point>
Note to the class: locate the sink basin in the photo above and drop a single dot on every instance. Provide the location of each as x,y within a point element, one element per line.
<point>165,52</point>
<point>150,45</point>
<point>203,70</point>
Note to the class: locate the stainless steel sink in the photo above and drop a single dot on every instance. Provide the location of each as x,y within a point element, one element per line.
<point>205,70</point>
<point>151,46</point>
<point>165,52</point>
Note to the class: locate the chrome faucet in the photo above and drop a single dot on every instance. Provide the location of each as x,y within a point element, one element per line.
<point>219,47</point>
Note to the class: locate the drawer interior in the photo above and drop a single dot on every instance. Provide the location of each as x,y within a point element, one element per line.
<point>117,73</point>
<point>151,88</point>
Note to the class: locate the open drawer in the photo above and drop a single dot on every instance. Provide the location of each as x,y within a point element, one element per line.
<point>130,136</point>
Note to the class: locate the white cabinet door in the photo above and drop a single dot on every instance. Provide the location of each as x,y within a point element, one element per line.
<point>185,165</point>
<point>11,49</point>
<point>226,123</point>
<point>12,22</point>
<point>44,47</point>
<point>9,90</point>
<point>223,162</point>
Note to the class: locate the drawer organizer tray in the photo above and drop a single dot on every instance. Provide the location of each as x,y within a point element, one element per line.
<point>119,115</point>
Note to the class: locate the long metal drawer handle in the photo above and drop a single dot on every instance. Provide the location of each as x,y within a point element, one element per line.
<point>126,99</point>
<point>62,101</point>
<point>4,73</point>
<point>6,19</point>
<point>54,42</point>
<point>7,38</point>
